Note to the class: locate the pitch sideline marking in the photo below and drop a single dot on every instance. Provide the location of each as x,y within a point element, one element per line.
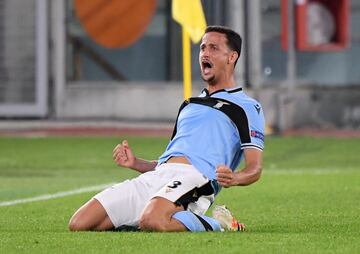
<point>304,171</point>
<point>56,195</point>
<point>103,186</point>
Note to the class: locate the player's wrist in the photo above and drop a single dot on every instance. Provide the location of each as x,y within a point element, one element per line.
<point>237,179</point>
<point>136,164</point>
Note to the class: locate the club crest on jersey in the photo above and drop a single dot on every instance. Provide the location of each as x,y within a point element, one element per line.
<point>220,104</point>
<point>256,134</point>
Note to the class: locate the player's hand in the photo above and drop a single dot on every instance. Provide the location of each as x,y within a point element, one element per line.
<point>123,155</point>
<point>225,177</point>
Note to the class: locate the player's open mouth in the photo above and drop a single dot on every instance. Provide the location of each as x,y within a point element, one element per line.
<point>206,66</point>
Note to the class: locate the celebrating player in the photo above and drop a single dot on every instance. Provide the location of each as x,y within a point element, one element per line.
<point>213,132</point>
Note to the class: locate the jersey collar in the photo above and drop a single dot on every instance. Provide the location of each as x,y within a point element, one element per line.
<point>229,90</point>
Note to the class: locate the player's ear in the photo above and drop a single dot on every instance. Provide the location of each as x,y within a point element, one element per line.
<point>233,57</point>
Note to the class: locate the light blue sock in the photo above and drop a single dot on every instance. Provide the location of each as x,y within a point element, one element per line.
<point>197,223</point>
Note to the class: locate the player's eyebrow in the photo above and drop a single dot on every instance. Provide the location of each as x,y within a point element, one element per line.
<point>214,45</point>
<point>202,45</point>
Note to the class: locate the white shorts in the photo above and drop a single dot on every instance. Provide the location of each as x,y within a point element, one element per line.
<point>180,183</point>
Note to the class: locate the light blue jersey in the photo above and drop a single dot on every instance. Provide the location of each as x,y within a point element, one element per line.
<point>208,138</point>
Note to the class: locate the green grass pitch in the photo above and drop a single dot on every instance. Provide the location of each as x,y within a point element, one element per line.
<point>307,201</point>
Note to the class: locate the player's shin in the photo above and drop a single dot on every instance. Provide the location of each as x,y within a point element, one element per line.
<point>197,223</point>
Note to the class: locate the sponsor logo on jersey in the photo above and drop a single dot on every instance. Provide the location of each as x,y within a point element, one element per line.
<point>256,134</point>
<point>258,108</point>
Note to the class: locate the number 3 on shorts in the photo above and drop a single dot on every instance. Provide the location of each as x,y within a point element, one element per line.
<point>175,184</point>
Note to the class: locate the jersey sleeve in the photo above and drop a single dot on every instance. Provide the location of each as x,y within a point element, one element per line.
<point>256,125</point>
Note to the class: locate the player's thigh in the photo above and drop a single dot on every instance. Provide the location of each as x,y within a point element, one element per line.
<point>182,189</point>
<point>124,202</point>
<point>161,208</point>
<point>157,216</point>
<point>90,216</point>
<point>188,189</point>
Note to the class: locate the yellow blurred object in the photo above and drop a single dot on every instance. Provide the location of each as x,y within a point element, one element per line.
<point>186,64</point>
<point>189,14</point>
<point>269,130</point>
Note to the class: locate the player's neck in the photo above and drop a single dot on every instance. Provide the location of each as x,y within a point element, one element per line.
<point>221,84</point>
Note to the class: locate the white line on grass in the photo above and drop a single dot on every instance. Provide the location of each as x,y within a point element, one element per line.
<point>56,195</point>
<point>304,171</point>
<point>103,186</point>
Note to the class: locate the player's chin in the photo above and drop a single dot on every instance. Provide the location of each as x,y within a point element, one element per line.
<point>208,78</point>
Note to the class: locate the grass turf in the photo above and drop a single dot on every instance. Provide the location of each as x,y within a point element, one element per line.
<point>306,202</point>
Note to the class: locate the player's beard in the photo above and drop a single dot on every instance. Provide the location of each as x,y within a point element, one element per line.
<point>211,80</point>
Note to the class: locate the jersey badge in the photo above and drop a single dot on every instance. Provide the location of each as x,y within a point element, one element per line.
<point>258,108</point>
<point>220,104</point>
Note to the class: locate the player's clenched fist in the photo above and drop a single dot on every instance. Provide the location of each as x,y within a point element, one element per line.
<point>225,177</point>
<point>123,155</point>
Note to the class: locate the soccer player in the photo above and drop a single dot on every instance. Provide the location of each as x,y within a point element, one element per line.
<point>213,132</point>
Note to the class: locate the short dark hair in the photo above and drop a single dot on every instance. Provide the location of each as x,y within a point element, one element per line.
<point>234,40</point>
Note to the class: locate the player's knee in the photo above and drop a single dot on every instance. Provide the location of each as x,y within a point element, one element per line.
<point>151,223</point>
<point>75,224</point>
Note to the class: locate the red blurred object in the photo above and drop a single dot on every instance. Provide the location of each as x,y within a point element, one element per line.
<point>328,21</point>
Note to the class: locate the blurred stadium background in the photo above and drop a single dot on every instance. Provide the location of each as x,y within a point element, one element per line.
<point>52,70</point>
<point>59,77</point>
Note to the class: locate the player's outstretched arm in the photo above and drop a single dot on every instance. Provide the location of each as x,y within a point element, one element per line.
<point>248,175</point>
<point>124,157</point>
